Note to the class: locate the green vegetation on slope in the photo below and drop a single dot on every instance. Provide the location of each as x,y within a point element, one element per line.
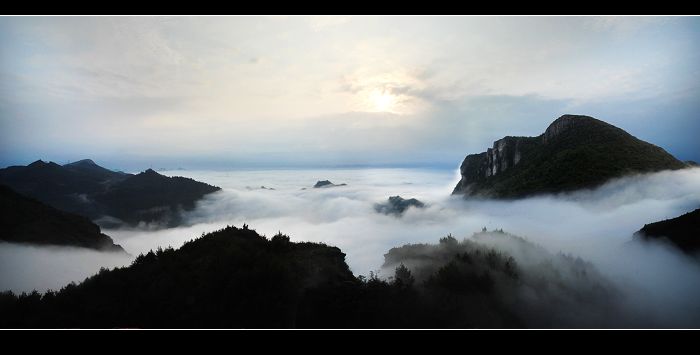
<point>575,152</point>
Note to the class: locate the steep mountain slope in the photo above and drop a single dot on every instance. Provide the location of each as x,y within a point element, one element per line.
<point>574,152</point>
<point>25,220</point>
<point>682,231</point>
<point>151,197</point>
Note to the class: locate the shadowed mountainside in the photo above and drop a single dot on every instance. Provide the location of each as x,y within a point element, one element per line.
<point>235,278</point>
<point>152,197</point>
<point>575,152</point>
<point>682,231</point>
<point>25,220</point>
<point>90,190</point>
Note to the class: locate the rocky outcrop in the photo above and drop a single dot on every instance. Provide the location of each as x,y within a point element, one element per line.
<point>574,152</point>
<point>504,154</point>
<point>397,205</point>
<point>263,187</point>
<point>560,125</point>
<point>326,183</point>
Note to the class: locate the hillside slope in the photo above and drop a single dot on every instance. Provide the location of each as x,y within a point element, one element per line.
<point>92,191</point>
<point>575,152</point>
<point>25,220</point>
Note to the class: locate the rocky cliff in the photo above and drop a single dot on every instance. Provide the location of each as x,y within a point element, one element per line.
<point>574,152</point>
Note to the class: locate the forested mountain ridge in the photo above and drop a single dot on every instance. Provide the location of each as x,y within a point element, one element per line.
<point>574,152</point>
<point>92,191</point>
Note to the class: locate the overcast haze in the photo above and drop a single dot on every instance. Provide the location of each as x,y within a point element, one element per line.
<point>247,92</point>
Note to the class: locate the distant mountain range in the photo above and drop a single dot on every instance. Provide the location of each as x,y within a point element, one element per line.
<point>112,198</point>
<point>682,231</point>
<point>25,220</point>
<point>574,152</point>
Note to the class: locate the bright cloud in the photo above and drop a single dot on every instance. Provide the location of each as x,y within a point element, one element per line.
<point>163,85</point>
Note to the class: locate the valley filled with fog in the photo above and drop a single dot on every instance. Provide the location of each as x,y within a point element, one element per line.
<point>596,225</point>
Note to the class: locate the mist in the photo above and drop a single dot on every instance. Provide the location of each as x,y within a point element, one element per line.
<point>596,225</point>
<point>24,268</point>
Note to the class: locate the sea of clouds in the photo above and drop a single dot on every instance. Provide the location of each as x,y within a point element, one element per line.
<point>596,225</point>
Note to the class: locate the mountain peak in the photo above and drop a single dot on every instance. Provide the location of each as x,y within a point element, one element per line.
<point>566,122</point>
<point>322,183</point>
<point>42,164</point>
<point>574,152</point>
<point>150,172</point>
<point>84,162</point>
<point>568,116</point>
<point>37,163</point>
<point>326,183</point>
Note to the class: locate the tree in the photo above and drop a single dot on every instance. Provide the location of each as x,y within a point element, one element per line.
<point>403,277</point>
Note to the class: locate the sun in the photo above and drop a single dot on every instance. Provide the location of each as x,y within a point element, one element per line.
<point>382,101</point>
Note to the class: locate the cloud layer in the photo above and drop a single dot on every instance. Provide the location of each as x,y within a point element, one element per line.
<point>596,225</point>
<point>292,91</point>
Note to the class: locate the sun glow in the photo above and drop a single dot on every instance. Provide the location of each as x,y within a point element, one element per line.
<point>382,101</point>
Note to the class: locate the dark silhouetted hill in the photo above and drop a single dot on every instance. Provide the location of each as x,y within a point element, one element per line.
<point>397,205</point>
<point>235,278</point>
<point>682,231</point>
<point>25,220</point>
<point>151,197</point>
<point>229,278</point>
<point>575,152</point>
<point>326,183</point>
<point>88,189</point>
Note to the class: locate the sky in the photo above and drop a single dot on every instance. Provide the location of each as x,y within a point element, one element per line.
<point>305,91</point>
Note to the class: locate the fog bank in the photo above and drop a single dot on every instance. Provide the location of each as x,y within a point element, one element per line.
<point>596,225</point>
<point>24,268</point>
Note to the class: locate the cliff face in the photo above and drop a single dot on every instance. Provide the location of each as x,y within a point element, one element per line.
<point>505,153</point>
<point>574,152</point>
<point>562,124</point>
